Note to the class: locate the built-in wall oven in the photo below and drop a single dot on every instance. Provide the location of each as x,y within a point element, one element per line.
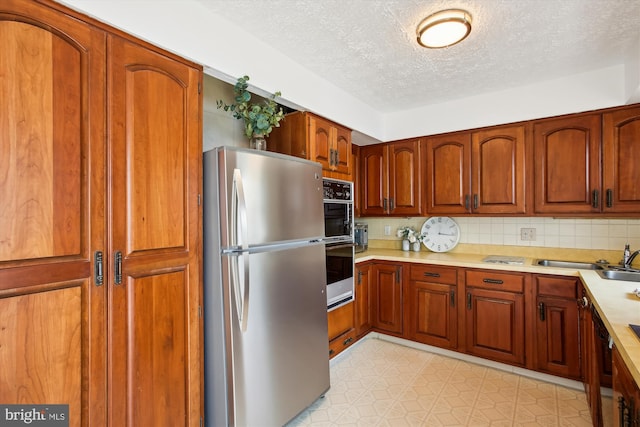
<point>339,243</point>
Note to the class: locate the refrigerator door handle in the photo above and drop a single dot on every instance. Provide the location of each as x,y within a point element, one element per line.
<point>240,285</point>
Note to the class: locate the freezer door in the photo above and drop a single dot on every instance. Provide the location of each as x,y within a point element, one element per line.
<point>278,330</point>
<point>281,197</point>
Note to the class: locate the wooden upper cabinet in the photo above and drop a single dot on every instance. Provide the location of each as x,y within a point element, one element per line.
<point>155,151</point>
<point>567,165</point>
<point>483,172</point>
<point>448,170</point>
<point>373,180</point>
<point>390,179</point>
<point>498,166</point>
<point>621,164</point>
<point>342,150</point>
<point>405,189</point>
<point>355,174</point>
<point>311,137</point>
<point>52,217</point>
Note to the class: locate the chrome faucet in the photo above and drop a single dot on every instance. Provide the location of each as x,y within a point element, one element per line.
<point>628,257</point>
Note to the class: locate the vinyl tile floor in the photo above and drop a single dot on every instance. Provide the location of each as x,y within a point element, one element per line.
<point>380,383</point>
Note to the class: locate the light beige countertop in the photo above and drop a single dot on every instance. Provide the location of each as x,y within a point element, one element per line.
<point>614,300</point>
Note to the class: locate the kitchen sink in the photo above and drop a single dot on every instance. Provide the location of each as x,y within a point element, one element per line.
<point>568,264</point>
<point>618,274</point>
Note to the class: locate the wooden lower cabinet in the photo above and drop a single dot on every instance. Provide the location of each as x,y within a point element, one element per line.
<point>363,299</point>
<point>431,308</point>
<point>626,394</point>
<point>557,340</point>
<point>495,315</point>
<point>341,331</point>
<point>387,297</point>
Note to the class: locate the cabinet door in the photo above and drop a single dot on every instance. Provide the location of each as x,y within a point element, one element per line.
<point>621,151</point>
<point>448,166</point>
<point>387,299</point>
<point>405,188</point>
<point>556,326</point>
<point>626,394</point>
<point>589,351</point>
<point>498,184</point>
<point>433,314</point>
<point>567,165</point>
<point>557,335</point>
<point>155,156</point>
<point>363,296</point>
<point>52,311</point>
<point>321,136</point>
<point>355,175</point>
<point>373,179</point>
<point>495,325</point>
<point>342,151</point>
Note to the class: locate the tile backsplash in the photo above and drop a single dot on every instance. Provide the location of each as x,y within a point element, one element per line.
<point>608,234</point>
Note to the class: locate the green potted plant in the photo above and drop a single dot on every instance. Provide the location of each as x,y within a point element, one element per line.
<point>259,118</point>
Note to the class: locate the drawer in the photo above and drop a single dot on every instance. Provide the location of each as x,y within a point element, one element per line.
<point>434,274</point>
<point>340,320</point>
<point>554,286</point>
<point>342,342</point>
<point>489,279</point>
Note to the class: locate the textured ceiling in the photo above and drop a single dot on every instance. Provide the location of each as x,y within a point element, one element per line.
<point>368,47</point>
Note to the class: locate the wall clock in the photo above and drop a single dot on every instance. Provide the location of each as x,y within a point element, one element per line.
<point>441,233</point>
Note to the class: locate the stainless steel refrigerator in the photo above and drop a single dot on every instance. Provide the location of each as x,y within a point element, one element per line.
<point>265,314</point>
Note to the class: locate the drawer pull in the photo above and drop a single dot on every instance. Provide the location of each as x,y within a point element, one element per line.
<point>347,341</point>
<point>493,281</point>
<point>452,295</point>
<point>428,274</point>
<point>542,311</point>
<point>468,300</point>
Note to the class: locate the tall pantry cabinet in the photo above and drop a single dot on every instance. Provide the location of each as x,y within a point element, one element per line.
<point>100,137</point>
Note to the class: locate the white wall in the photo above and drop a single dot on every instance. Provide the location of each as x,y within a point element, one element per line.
<point>219,127</point>
<point>190,30</point>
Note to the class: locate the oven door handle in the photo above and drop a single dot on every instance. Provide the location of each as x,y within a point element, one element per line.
<point>347,245</point>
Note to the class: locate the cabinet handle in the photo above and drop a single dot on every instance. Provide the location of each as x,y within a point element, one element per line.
<point>391,205</point>
<point>384,205</point>
<point>359,277</point>
<point>622,409</point>
<point>541,311</point>
<point>583,302</point>
<point>347,341</point>
<point>331,351</point>
<point>452,296</point>
<point>337,153</point>
<point>398,275</point>
<point>97,268</point>
<point>466,202</point>
<point>595,199</point>
<point>429,274</point>
<point>468,300</point>
<point>117,268</point>
<point>609,198</point>
<point>493,281</point>
<point>475,201</point>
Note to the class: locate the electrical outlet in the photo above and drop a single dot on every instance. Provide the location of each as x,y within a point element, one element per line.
<point>527,234</point>
<point>387,230</point>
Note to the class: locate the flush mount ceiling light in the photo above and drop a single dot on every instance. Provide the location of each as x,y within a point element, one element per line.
<point>444,28</point>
